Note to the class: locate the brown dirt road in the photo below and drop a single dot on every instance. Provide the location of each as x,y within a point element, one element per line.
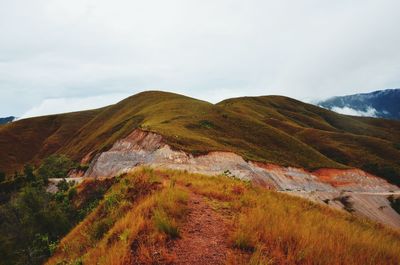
<point>204,236</point>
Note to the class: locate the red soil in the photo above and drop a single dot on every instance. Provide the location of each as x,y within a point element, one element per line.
<point>204,236</point>
<point>333,176</point>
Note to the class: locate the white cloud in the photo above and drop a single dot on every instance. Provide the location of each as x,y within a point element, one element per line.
<point>210,48</point>
<point>62,105</point>
<point>370,112</point>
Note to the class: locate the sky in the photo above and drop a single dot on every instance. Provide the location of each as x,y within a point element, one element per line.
<point>67,55</point>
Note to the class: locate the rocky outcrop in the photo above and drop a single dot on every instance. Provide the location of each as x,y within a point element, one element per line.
<point>147,148</point>
<point>374,206</point>
<point>53,182</point>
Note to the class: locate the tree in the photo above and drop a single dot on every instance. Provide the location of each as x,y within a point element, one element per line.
<point>30,223</point>
<point>55,166</point>
<point>63,185</point>
<point>28,173</point>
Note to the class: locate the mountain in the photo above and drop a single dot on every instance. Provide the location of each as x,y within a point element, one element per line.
<point>270,129</point>
<point>6,120</point>
<point>161,178</point>
<point>381,104</point>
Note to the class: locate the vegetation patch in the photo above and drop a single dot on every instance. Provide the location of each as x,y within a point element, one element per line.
<point>33,221</point>
<point>266,227</point>
<point>244,242</point>
<point>165,224</point>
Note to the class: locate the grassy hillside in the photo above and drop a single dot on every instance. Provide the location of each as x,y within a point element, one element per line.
<point>367,143</point>
<point>144,218</point>
<point>30,140</point>
<point>270,129</point>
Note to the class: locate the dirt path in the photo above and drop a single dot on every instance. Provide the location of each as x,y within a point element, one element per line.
<point>204,236</point>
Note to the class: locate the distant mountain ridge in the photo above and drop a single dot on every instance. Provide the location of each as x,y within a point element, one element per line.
<point>7,120</point>
<point>381,104</point>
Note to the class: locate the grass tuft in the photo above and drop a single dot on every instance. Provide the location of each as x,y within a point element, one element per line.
<point>165,224</point>
<point>244,241</point>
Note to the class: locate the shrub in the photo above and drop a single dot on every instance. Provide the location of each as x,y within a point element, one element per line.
<point>99,228</point>
<point>207,124</point>
<point>63,185</point>
<point>28,173</point>
<point>72,193</point>
<point>55,166</point>
<point>83,167</point>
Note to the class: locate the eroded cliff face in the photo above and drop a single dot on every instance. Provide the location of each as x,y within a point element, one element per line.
<point>364,192</point>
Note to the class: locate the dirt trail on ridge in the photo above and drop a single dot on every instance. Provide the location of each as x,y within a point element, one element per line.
<point>204,236</point>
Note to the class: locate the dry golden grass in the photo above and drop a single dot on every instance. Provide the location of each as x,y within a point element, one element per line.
<point>276,228</point>
<point>136,216</point>
<point>145,209</point>
<point>285,230</point>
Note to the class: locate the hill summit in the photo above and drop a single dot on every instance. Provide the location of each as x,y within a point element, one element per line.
<point>271,129</point>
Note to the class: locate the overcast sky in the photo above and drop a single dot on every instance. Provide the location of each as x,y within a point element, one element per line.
<point>63,55</point>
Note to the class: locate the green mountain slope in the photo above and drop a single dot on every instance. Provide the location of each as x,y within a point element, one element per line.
<point>270,129</point>
<point>367,143</point>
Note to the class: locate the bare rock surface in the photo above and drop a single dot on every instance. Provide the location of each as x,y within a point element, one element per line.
<point>146,148</point>
<point>53,182</point>
<point>374,206</point>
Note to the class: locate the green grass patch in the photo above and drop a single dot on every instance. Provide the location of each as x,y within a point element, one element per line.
<point>165,224</point>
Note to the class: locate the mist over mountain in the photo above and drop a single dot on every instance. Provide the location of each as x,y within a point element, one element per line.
<point>7,120</point>
<point>380,104</point>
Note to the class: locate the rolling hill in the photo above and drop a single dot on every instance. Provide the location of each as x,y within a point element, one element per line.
<point>270,129</point>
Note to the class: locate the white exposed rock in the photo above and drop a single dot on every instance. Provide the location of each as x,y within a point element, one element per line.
<point>52,186</point>
<point>373,206</point>
<point>147,148</point>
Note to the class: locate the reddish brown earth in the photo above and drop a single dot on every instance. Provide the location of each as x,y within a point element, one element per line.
<point>330,175</point>
<point>204,236</point>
